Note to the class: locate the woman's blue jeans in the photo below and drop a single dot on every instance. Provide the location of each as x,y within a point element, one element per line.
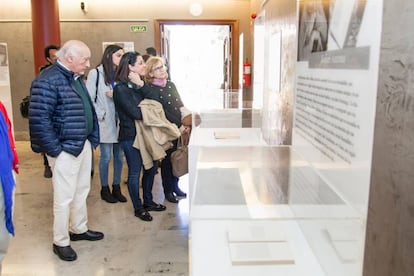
<point>107,150</point>
<point>134,161</point>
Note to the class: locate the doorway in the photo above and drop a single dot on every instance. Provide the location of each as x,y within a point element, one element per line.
<point>202,57</point>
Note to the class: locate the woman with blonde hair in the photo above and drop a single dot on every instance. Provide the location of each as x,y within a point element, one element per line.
<point>164,91</point>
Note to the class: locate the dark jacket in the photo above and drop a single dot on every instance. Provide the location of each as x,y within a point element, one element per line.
<point>127,96</point>
<point>170,99</point>
<point>57,119</point>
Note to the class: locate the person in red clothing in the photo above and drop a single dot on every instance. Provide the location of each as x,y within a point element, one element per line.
<point>9,161</point>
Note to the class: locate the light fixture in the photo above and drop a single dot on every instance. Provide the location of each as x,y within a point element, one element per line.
<point>84,6</point>
<point>196,9</point>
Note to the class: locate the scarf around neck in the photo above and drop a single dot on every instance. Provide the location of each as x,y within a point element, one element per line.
<point>160,82</point>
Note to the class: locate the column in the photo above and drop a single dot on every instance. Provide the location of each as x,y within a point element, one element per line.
<point>45,28</point>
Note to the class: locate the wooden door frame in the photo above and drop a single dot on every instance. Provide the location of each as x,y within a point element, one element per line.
<point>234,36</point>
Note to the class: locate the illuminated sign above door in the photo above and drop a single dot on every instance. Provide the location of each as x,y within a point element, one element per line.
<point>138,28</point>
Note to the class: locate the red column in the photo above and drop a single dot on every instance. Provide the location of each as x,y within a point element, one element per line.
<point>45,28</point>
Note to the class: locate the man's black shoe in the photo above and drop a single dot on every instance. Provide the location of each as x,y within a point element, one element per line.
<point>65,253</point>
<point>88,235</point>
<point>154,207</point>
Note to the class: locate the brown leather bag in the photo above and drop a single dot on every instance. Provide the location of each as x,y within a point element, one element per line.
<point>179,158</point>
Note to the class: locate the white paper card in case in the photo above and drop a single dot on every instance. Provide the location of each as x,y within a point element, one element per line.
<point>226,135</point>
<point>255,233</point>
<point>261,253</point>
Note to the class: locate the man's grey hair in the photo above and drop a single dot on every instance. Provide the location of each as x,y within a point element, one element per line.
<point>71,48</point>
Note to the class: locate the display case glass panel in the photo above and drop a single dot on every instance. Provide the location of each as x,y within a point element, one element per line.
<point>265,209</point>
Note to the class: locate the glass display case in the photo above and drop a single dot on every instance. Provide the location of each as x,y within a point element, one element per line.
<point>231,118</point>
<point>223,128</point>
<point>263,210</point>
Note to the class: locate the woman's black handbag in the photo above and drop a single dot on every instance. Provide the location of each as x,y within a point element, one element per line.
<point>24,107</point>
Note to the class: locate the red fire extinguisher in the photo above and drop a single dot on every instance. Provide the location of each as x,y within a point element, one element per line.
<point>247,74</point>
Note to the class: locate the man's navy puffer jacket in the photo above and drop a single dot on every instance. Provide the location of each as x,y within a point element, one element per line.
<point>57,119</point>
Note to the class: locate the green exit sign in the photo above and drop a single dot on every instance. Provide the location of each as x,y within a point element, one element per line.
<point>138,28</point>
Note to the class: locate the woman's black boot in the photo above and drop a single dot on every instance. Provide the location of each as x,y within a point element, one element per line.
<point>171,198</point>
<point>116,193</point>
<point>178,192</point>
<point>106,195</point>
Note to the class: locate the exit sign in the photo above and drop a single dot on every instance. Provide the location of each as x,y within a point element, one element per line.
<point>138,28</point>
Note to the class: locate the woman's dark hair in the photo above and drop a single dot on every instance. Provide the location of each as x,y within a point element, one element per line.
<point>129,58</point>
<point>108,65</point>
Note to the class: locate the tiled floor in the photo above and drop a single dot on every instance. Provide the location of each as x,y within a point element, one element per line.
<point>130,247</point>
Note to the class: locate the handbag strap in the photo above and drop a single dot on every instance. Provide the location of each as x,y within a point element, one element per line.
<point>184,141</point>
<point>96,84</point>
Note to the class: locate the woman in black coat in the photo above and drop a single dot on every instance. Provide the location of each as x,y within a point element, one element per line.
<point>127,95</point>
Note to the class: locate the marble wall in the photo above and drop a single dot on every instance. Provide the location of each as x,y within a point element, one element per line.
<point>389,246</point>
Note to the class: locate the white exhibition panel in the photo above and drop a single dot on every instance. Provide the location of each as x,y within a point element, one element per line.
<point>335,97</point>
